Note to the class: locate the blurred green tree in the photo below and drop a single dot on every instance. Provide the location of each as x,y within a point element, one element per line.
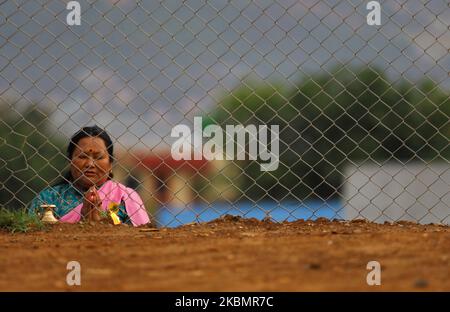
<point>31,157</point>
<point>332,118</point>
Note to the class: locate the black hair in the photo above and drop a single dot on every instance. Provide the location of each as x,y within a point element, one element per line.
<point>94,131</point>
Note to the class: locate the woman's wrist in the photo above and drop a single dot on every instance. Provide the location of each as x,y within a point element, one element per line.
<point>85,210</point>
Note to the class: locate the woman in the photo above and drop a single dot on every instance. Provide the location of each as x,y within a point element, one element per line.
<point>88,192</point>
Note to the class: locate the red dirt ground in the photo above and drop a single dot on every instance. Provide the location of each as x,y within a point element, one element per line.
<point>229,254</point>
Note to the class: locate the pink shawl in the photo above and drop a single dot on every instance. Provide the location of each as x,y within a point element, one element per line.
<point>114,192</point>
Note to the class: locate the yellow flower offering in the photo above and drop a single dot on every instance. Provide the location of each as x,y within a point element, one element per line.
<point>113,212</point>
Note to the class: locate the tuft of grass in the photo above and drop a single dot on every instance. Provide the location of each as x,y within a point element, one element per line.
<point>19,221</point>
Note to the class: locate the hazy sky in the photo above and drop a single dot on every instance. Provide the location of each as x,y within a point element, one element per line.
<point>139,67</point>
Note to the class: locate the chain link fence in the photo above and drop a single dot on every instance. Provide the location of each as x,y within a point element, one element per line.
<point>362,110</point>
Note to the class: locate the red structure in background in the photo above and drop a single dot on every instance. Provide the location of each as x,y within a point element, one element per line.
<point>162,166</point>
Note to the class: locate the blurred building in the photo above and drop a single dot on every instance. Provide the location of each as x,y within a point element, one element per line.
<point>159,179</point>
<point>395,191</point>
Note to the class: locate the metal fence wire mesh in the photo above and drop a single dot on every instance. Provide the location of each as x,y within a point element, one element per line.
<point>362,110</point>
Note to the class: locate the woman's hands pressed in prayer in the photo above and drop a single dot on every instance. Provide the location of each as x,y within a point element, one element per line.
<point>92,205</point>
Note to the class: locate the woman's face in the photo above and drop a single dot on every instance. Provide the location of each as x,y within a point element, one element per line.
<point>90,164</point>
